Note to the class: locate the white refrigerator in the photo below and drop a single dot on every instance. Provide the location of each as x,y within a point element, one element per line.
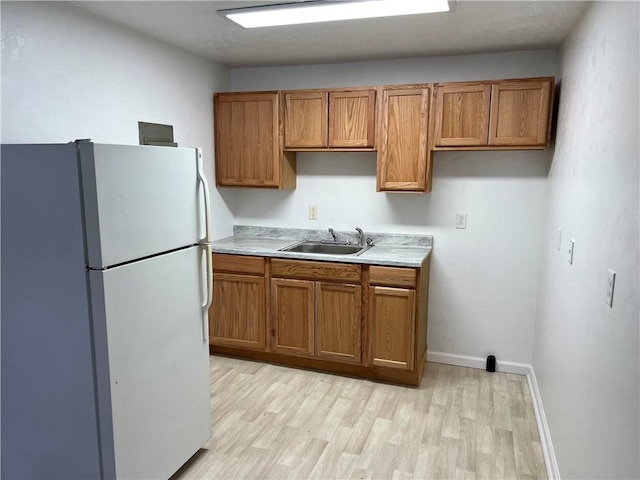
<point>105,287</point>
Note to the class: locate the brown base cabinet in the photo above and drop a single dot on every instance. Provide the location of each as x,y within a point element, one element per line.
<point>392,327</point>
<point>237,314</point>
<point>292,316</point>
<point>316,319</point>
<point>339,322</point>
<point>313,317</point>
<point>360,320</point>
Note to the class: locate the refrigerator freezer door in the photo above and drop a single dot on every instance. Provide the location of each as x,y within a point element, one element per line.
<point>148,328</point>
<point>139,201</point>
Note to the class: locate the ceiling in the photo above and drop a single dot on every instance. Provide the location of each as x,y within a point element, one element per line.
<point>472,27</point>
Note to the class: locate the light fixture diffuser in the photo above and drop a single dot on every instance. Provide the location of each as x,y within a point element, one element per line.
<point>329,11</point>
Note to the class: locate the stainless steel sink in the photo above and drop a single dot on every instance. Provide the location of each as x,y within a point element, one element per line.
<point>322,248</point>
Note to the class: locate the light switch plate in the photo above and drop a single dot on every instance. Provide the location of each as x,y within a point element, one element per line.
<point>611,283</point>
<point>572,243</point>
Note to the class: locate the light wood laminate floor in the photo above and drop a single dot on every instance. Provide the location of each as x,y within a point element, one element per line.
<point>279,422</point>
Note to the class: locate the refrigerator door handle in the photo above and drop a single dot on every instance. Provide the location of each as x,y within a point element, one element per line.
<point>207,202</point>
<point>207,303</point>
<point>206,243</point>
<point>209,254</point>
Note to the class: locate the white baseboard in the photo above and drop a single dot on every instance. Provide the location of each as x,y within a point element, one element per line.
<point>520,369</point>
<point>543,428</point>
<point>477,362</point>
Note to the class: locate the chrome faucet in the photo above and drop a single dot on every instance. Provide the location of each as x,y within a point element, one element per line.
<point>334,235</point>
<point>360,236</point>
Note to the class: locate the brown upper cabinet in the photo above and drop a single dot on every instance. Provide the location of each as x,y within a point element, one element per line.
<point>404,159</point>
<point>462,114</point>
<point>329,119</point>
<point>258,133</point>
<point>248,142</point>
<point>520,112</point>
<point>305,121</point>
<point>493,114</point>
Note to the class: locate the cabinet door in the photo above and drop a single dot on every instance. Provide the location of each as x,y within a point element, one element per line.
<point>237,314</point>
<point>462,114</point>
<point>352,119</point>
<point>338,322</point>
<point>247,144</point>
<point>520,112</point>
<point>392,320</point>
<point>402,150</point>
<point>292,316</point>
<point>305,119</point>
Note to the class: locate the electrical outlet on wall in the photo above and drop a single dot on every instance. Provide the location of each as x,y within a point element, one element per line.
<point>313,212</point>
<point>461,220</point>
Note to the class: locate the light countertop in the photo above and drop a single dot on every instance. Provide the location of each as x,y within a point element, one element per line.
<point>389,249</point>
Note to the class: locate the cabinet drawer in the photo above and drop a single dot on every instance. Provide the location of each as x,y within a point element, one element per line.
<point>315,270</point>
<point>238,264</point>
<point>392,276</point>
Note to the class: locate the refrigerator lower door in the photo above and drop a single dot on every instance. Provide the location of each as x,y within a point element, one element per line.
<point>152,363</point>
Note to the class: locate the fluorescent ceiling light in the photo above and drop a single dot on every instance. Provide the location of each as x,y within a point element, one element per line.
<point>329,11</point>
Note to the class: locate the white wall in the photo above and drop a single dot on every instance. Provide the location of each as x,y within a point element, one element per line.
<point>586,354</point>
<point>67,74</point>
<point>483,279</point>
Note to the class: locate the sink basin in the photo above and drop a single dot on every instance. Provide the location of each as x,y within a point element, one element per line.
<point>325,248</point>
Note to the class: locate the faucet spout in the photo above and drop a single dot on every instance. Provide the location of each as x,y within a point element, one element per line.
<point>360,236</point>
